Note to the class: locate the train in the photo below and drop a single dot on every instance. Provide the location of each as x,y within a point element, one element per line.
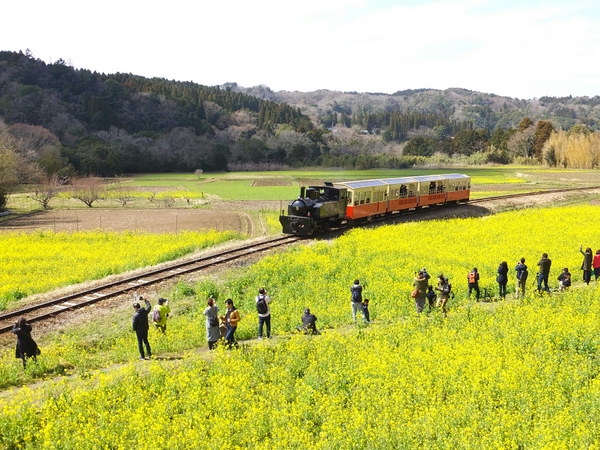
<point>332,205</point>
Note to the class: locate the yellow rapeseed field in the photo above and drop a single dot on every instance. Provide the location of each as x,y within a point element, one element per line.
<point>520,374</point>
<point>42,261</point>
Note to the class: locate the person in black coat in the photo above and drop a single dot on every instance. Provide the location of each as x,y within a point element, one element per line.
<point>140,326</point>
<point>309,323</point>
<point>26,346</point>
<point>502,279</point>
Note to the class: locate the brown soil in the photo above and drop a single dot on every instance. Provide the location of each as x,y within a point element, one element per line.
<point>156,221</point>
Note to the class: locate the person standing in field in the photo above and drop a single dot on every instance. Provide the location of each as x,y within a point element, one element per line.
<point>420,285</point>
<point>231,319</point>
<point>586,265</point>
<point>211,312</point>
<point>26,346</point>
<point>444,293</point>
<point>426,274</point>
<point>522,275</point>
<point>140,325</point>
<point>473,283</point>
<point>264,312</point>
<point>596,264</point>
<point>163,312</point>
<point>502,279</point>
<point>431,297</point>
<point>356,299</point>
<point>365,310</point>
<point>544,271</point>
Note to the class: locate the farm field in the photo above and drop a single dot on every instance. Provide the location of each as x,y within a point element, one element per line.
<point>247,203</point>
<point>512,374</point>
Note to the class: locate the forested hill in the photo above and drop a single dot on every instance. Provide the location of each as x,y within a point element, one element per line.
<point>482,110</point>
<point>67,120</point>
<point>109,124</point>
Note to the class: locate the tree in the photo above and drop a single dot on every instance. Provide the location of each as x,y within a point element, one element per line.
<point>49,189</point>
<point>543,130</point>
<point>87,189</point>
<point>524,124</point>
<point>521,143</point>
<point>120,192</point>
<point>419,146</point>
<point>467,142</point>
<point>198,173</point>
<point>8,173</point>
<point>14,167</point>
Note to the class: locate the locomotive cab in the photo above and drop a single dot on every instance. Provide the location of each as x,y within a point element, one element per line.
<point>317,208</point>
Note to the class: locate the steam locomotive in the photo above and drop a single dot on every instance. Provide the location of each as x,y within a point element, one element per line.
<point>319,208</point>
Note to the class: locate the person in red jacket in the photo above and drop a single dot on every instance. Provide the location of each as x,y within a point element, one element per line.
<point>596,264</point>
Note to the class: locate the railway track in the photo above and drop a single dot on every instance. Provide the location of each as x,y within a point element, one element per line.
<point>531,194</point>
<point>77,300</point>
<point>71,302</point>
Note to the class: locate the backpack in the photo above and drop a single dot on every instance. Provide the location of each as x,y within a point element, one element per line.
<point>261,304</point>
<point>156,315</point>
<point>447,289</point>
<point>213,322</point>
<point>356,294</point>
<point>472,277</point>
<point>523,275</point>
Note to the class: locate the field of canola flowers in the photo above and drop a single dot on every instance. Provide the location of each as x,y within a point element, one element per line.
<point>38,262</point>
<point>520,375</point>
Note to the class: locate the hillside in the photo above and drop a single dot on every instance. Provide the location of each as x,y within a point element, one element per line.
<point>74,121</point>
<point>481,109</point>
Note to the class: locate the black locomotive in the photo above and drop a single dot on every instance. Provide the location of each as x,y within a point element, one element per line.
<point>317,209</point>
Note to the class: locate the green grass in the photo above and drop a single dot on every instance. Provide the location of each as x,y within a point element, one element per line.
<point>237,186</point>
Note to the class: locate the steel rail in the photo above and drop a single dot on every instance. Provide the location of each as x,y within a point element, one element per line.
<point>93,295</point>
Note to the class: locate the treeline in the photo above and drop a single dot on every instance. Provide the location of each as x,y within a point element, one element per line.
<point>67,121</point>
<point>111,124</point>
<point>395,125</point>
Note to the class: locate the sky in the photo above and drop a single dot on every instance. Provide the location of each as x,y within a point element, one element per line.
<point>515,48</point>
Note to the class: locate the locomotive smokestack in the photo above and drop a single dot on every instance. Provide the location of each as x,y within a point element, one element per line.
<point>302,192</point>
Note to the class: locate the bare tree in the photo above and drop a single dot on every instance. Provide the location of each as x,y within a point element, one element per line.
<point>49,189</point>
<point>153,193</point>
<point>121,193</point>
<point>185,194</point>
<point>14,167</point>
<point>87,190</point>
<point>521,143</point>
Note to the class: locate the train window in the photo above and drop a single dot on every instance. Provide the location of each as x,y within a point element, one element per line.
<point>362,198</point>
<point>432,187</point>
<point>410,194</point>
<point>368,197</point>
<point>403,191</point>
